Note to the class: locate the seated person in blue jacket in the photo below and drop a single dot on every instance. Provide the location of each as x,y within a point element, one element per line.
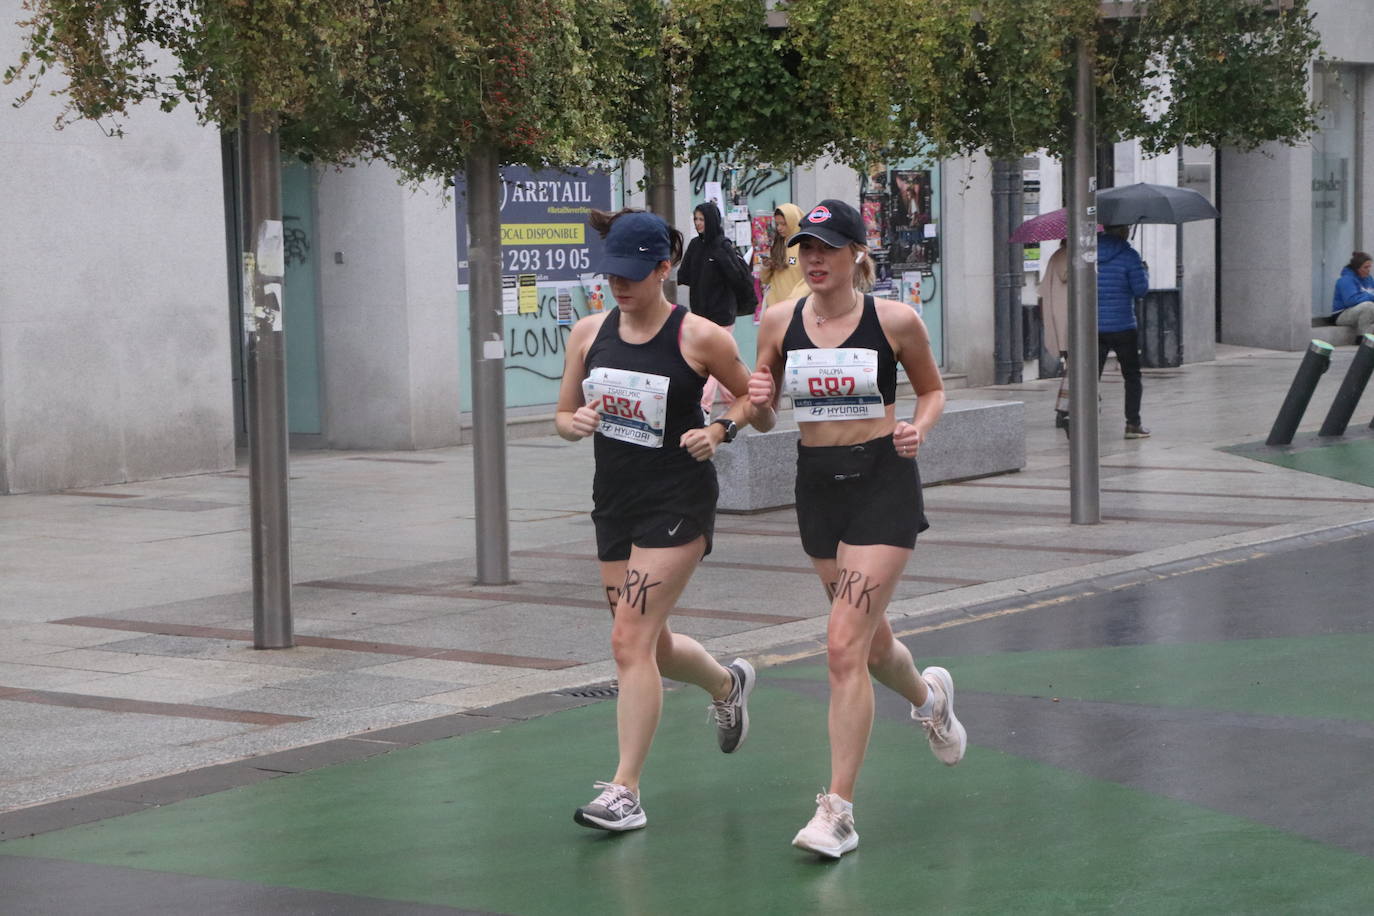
<point>1353,304</point>
<point>1121,279</point>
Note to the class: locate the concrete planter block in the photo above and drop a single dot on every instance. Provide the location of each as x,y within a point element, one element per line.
<point>972,439</point>
<point>975,439</point>
<point>757,471</point>
<point>1335,334</point>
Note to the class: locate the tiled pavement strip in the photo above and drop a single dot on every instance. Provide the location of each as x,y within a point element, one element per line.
<point>125,637</point>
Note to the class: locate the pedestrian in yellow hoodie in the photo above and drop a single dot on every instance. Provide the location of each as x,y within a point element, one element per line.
<point>780,271</point>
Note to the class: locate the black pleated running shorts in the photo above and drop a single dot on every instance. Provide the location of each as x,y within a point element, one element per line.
<point>653,510</point>
<point>859,494</point>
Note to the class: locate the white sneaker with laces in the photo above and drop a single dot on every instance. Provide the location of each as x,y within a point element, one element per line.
<point>944,732</point>
<point>616,809</point>
<point>831,831</point>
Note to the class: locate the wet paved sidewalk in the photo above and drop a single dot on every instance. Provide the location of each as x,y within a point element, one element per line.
<point>125,611</point>
<point>1190,739</point>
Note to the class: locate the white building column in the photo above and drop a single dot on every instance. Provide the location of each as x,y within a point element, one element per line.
<point>1265,274</point>
<point>114,300</point>
<point>389,320</point>
<point>966,246</point>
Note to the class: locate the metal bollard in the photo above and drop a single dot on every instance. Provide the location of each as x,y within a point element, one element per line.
<point>1315,361</point>
<point>1352,386</point>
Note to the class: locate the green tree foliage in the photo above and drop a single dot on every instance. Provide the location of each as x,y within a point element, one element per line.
<point>649,106</point>
<point>414,83</point>
<point>1236,71</point>
<point>876,79</point>
<point>417,82</point>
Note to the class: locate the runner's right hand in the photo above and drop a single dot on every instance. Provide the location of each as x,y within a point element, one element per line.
<point>586,419</point>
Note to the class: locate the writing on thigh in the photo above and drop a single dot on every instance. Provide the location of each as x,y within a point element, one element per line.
<point>854,588</point>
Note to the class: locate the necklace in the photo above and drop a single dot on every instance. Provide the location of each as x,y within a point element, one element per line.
<point>822,319</point>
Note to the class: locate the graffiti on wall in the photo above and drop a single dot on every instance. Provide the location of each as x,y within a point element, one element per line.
<point>535,343</point>
<point>296,242</point>
<point>741,183</point>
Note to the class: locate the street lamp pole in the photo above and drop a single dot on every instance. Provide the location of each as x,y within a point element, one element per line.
<point>264,282</point>
<point>488,355</point>
<point>1080,167</point>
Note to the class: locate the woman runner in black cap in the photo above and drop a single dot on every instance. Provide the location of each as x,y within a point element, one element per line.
<point>835,352</point>
<point>633,377</point>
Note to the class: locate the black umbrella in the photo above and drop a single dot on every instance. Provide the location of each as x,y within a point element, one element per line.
<point>1151,203</point>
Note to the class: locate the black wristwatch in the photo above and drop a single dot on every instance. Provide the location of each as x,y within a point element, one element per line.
<point>730,428</point>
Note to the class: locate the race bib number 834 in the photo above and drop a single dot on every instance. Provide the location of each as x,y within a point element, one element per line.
<point>633,405</point>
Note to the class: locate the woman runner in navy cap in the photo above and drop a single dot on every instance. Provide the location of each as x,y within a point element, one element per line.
<point>859,508</point>
<point>633,377</point>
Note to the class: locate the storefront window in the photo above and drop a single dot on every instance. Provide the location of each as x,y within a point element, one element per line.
<point>1333,173</point>
<point>547,255</point>
<point>900,203</point>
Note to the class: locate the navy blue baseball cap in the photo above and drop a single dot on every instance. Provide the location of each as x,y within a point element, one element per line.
<point>635,245</point>
<point>834,222</point>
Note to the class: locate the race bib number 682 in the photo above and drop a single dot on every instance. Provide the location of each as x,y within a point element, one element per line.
<point>833,384</point>
<point>634,405</point>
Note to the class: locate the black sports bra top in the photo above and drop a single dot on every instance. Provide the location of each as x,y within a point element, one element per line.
<point>659,355</point>
<point>868,335</point>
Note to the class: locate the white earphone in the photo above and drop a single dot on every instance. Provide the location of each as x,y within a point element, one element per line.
<point>858,257</point>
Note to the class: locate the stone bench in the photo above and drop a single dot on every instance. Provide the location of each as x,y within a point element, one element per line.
<point>972,439</point>
<point>1335,334</point>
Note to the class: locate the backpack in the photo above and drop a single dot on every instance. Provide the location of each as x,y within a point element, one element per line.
<point>739,278</point>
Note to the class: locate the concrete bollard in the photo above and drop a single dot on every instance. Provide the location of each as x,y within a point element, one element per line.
<point>1315,361</point>
<point>1352,386</point>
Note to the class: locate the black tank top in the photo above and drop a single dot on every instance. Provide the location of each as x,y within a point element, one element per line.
<point>660,355</point>
<point>867,335</point>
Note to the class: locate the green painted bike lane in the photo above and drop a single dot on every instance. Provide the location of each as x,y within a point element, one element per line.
<point>483,821</point>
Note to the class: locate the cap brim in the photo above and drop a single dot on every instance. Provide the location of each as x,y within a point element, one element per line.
<point>629,268</point>
<point>829,236</point>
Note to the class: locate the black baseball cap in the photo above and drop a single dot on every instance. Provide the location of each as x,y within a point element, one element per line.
<point>635,245</point>
<point>834,222</point>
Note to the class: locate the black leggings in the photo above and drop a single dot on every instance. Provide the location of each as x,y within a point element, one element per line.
<point>1127,346</point>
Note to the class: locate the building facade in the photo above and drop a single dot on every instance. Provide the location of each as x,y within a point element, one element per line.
<point>120,327</point>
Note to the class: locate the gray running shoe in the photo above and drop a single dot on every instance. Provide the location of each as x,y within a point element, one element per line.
<point>732,713</point>
<point>615,809</point>
<point>945,733</point>
<point>831,831</point>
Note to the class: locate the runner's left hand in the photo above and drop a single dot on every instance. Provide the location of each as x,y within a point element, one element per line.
<point>700,443</point>
<point>907,439</point>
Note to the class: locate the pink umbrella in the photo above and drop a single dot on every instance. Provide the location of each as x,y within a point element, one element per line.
<point>1044,228</point>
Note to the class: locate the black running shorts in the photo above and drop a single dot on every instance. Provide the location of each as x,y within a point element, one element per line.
<point>859,494</point>
<point>664,510</point>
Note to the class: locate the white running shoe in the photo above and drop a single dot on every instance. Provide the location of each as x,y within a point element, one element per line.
<point>616,809</point>
<point>831,831</point>
<point>945,733</point>
<point>732,713</point>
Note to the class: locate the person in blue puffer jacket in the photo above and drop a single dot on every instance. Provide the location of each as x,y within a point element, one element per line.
<point>1353,303</point>
<point>1121,279</point>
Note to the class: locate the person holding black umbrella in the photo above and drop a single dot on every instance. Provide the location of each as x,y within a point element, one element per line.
<point>1121,279</point>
